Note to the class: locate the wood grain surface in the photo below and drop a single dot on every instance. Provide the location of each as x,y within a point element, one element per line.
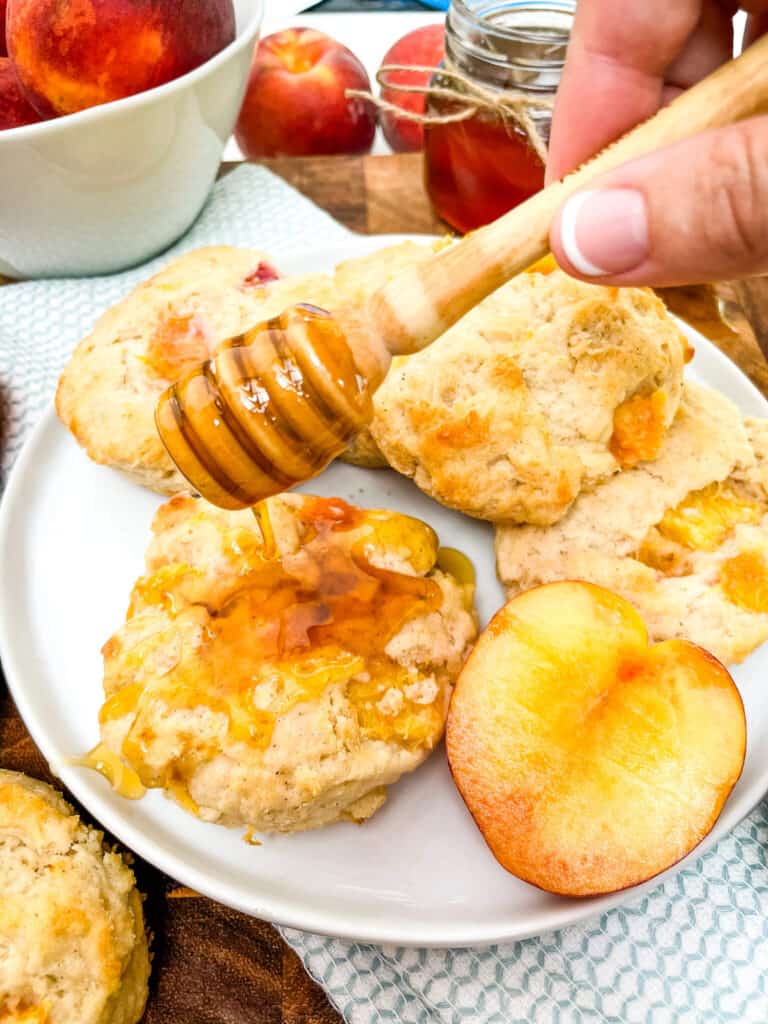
<point>213,965</point>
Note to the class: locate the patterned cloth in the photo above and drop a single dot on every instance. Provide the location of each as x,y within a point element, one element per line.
<point>694,951</point>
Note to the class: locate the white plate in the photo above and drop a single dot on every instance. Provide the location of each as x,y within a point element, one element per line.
<point>72,540</point>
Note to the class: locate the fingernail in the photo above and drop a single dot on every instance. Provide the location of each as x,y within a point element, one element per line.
<point>605,231</point>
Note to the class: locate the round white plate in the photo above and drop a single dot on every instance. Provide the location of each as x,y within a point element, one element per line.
<point>72,540</point>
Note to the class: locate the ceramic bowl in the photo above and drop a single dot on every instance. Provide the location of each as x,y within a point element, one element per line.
<point>109,187</point>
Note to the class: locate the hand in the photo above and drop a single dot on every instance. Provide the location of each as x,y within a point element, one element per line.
<point>695,211</point>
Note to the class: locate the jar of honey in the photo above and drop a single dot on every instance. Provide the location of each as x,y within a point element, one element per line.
<point>479,162</point>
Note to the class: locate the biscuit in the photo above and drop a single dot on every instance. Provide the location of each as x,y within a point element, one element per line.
<point>683,538</point>
<point>364,452</point>
<point>282,680</point>
<point>542,390</point>
<point>73,949</point>
<point>170,324</point>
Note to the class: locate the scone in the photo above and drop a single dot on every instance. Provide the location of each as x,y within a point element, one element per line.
<point>683,538</point>
<point>173,322</point>
<point>364,451</point>
<point>281,673</point>
<point>542,390</point>
<point>73,949</point>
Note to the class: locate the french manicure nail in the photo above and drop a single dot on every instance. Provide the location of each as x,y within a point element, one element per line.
<point>605,231</point>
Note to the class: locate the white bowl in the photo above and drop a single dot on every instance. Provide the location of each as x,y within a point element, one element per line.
<point>111,186</point>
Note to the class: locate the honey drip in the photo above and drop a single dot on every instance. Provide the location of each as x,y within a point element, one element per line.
<point>121,777</point>
<point>272,408</point>
<point>456,564</point>
<point>261,512</point>
<point>248,837</point>
<point>289,627</point>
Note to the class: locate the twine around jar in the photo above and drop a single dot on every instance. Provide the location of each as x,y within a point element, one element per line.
<point>509,105</point>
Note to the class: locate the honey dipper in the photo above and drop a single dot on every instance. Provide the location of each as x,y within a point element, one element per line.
<point>275,405</point>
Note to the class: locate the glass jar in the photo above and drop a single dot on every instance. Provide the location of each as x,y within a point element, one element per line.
<point>479,167</point>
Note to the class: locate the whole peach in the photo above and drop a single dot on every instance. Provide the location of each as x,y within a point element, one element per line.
<point>426,47</point>
<point>73,54</point>
<point>295,104</point>
<point>14,109</point>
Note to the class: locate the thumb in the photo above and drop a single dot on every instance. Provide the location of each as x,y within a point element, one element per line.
<point>692,212</point>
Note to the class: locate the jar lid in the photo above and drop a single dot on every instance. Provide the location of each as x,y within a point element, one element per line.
<point>528,39</point>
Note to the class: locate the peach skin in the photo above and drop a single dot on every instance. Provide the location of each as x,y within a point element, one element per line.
<point>14,109</point>
<point>590,760</point>
<point>295,102</point>
<point>73,54</point>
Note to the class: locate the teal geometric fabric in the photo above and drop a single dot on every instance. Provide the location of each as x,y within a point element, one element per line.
<point>693,951</point>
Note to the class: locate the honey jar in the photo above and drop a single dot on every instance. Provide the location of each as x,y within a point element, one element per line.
<point>494,98</point>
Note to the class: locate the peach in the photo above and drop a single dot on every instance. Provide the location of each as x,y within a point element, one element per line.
<point>73,54</point>
<point>639,428</point>
<point>14,109</point>
<point>295,103</point>
<point>3,45</point>
<point>423,46</point>
<point>590,760</point>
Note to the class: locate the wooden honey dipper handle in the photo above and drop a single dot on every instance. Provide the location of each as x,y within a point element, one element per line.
<point>422,302</point>
<point>275,405</point>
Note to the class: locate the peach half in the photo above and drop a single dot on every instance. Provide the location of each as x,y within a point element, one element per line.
<point>590,760</point>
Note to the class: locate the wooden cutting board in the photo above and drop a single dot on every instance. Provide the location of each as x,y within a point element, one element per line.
<point>213,965</point>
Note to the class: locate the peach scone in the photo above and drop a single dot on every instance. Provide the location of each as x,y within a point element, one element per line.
<point>542,390</point>
<point>683,538</point>
<point>280,671</point>
<point>73,948</point>
<point>175,321</point>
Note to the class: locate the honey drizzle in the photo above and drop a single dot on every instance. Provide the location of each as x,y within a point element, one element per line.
<point>458,565</point>
<point>121,777</point>
<point>261,512</point>
<point>297,625</point>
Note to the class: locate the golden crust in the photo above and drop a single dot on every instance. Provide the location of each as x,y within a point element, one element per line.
<point>218,692</point>
<point>74,948</point>
<point>620,535</point>
<point>172,322</point>
<point>510,414</point>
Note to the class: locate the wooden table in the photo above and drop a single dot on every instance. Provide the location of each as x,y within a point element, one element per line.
<point>213,965</point>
